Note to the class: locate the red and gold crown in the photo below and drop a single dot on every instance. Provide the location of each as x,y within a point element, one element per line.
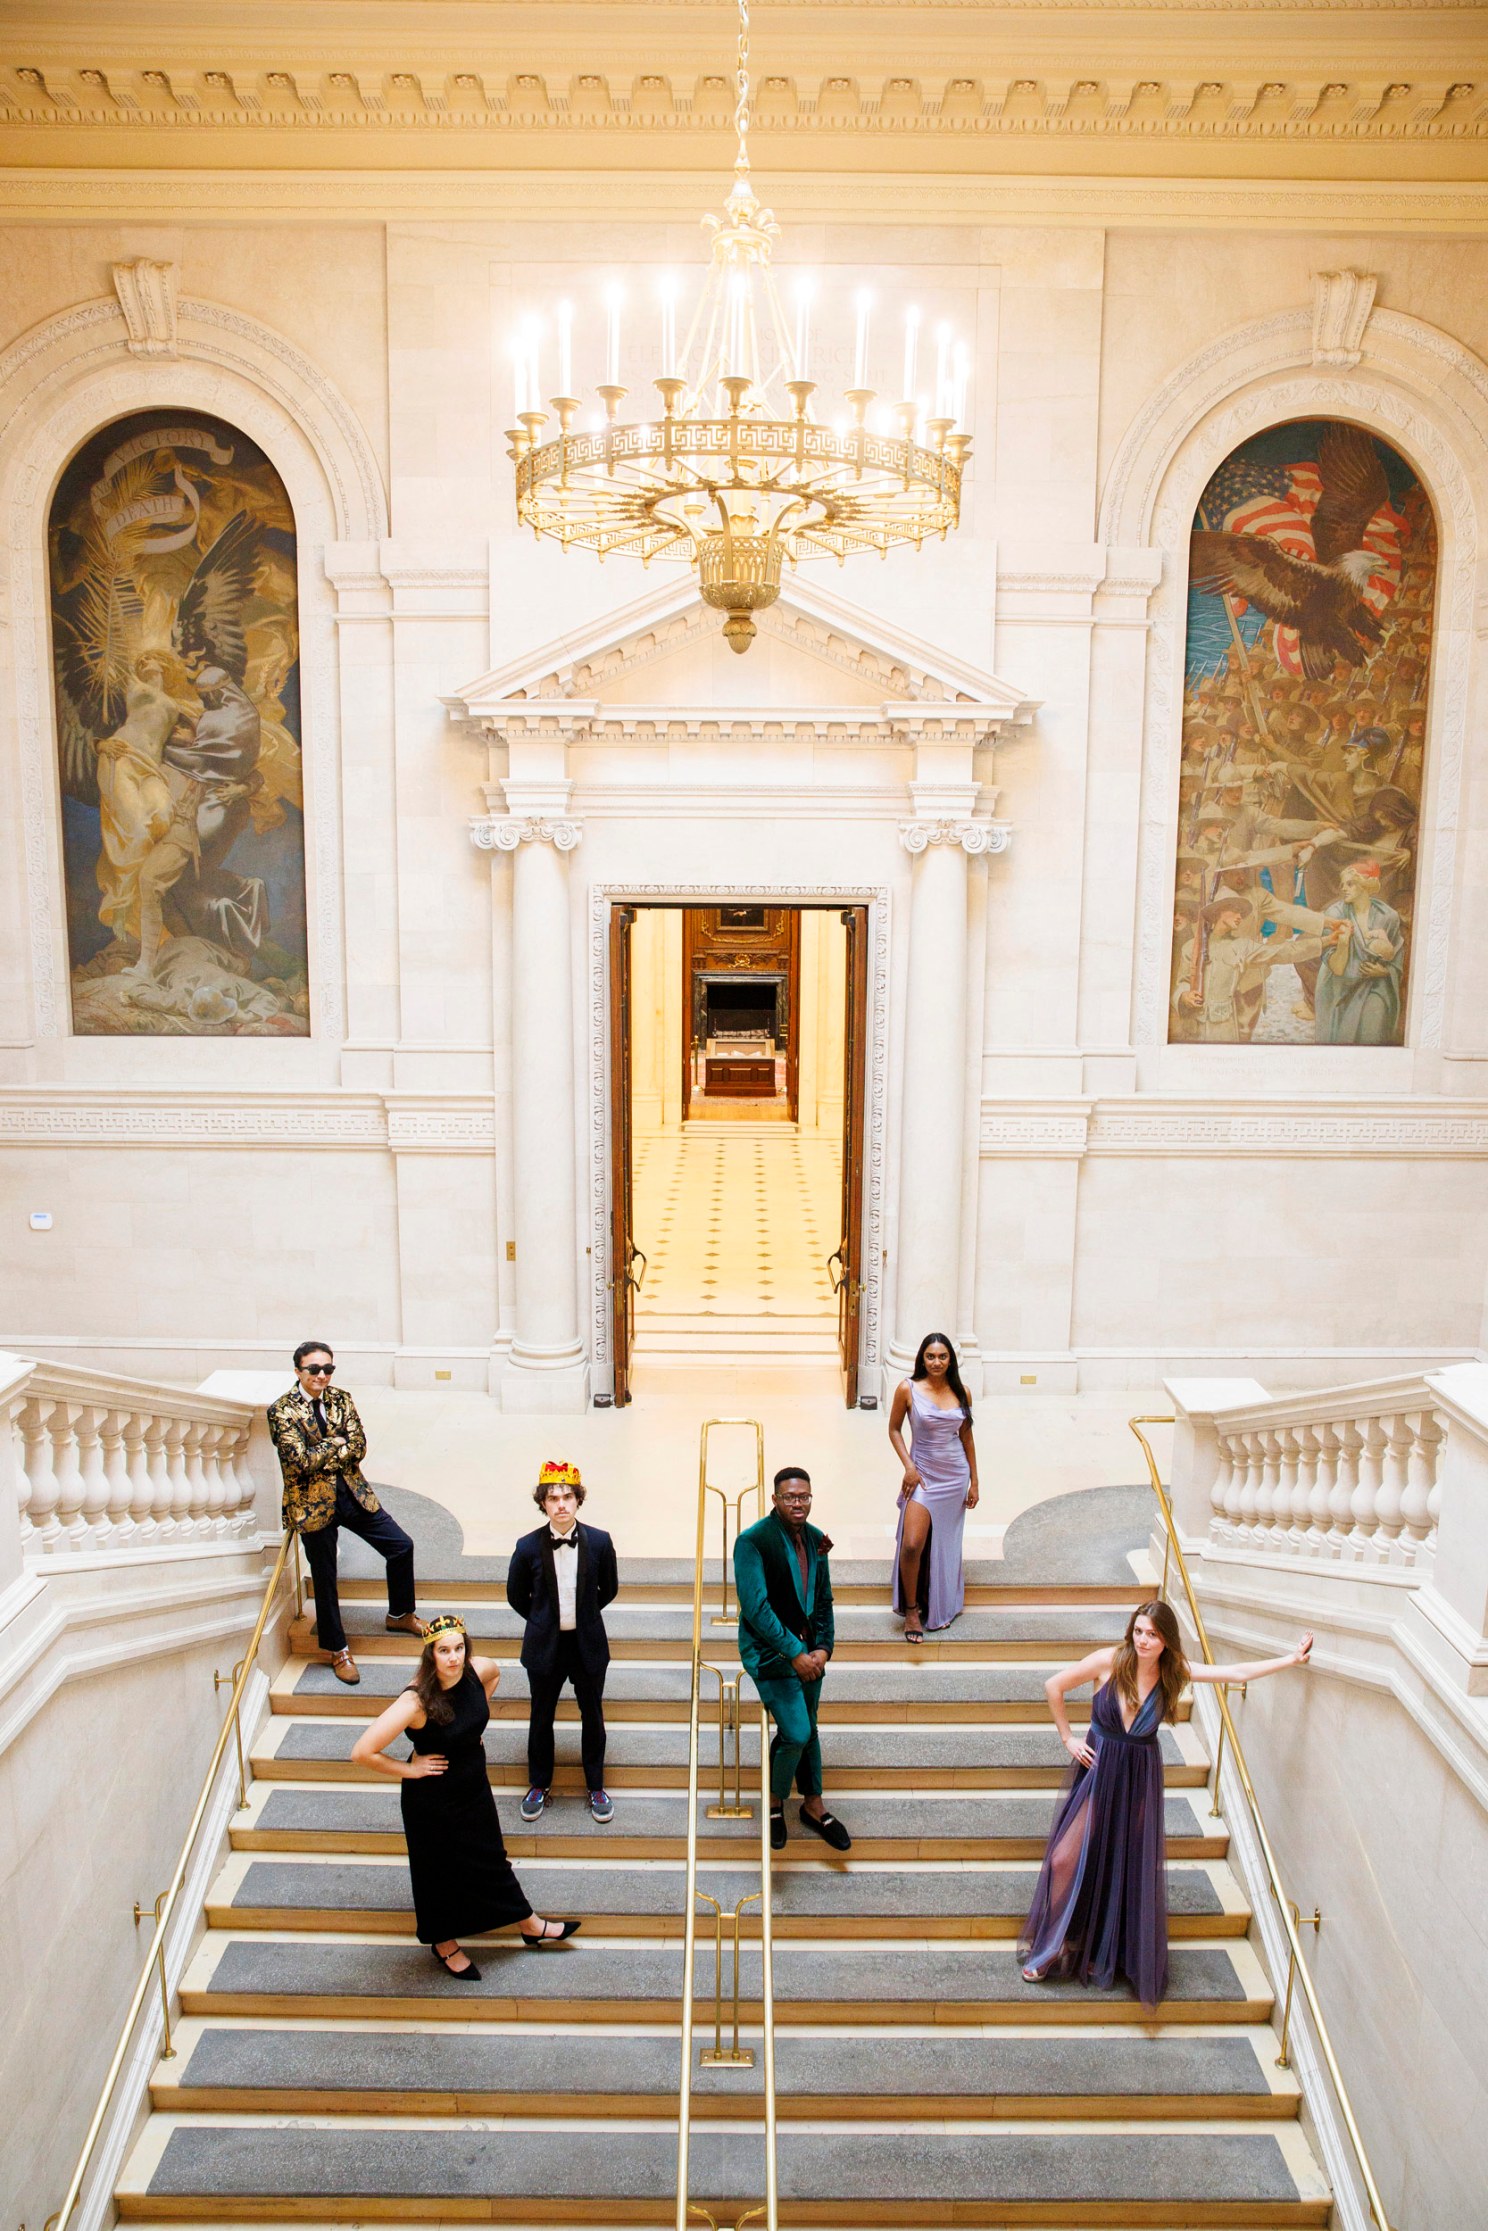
<point>446,1624</point>
<point>559,1475</point>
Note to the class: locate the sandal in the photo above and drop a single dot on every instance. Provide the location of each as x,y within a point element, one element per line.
<point>913,1634</point>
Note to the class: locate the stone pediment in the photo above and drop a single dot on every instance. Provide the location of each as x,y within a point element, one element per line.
<point>661,664</point>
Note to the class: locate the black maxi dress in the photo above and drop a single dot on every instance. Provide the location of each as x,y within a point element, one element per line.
<point>462,1879</point>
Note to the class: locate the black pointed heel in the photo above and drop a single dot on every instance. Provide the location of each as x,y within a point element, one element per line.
<point>469,1974</point>
<point>565,1929</point>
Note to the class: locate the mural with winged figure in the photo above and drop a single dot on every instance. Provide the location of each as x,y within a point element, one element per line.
<point>175,642</point>
<point>1312,580</point>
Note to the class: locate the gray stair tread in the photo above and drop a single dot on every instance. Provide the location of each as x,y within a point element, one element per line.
<point>461,2062</point>
<point>823,1891</point>
<point>931,2164</point>
<point>924,1681</point>
<point>928,1974</point>
<point>624,1622</point>
<point>984,1813</point>
<point>846,1749</point>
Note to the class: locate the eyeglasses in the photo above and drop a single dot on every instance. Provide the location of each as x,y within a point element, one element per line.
<point>319,1370</point>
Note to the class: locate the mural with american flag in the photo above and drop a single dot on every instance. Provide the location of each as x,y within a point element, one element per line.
<point>1312,581</point>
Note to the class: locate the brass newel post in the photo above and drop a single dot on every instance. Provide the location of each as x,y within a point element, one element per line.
<point>168,2053</point>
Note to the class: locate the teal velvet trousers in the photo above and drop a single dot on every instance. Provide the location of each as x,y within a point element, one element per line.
<point>795,1753</point>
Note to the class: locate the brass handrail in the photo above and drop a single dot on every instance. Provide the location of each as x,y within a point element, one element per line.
<point>165,1904</point>
<point>685,2206</point>
<point>1296,1965</point>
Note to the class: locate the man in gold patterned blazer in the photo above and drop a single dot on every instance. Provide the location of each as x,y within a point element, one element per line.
<point>321,1444</point>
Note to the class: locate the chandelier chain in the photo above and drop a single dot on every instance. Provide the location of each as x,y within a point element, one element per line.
<point>741,106</point>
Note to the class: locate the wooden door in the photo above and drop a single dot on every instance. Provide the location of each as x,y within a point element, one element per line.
<point>849,1254</point>
<point>624,1254</point>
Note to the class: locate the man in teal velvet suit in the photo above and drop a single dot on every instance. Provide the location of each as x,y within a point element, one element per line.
<point>786,1634</point>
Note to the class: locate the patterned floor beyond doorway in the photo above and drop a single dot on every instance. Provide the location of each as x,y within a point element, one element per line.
<point>737,1225</point>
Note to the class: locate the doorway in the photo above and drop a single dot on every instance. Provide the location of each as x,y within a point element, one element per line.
<point>737,1040</point>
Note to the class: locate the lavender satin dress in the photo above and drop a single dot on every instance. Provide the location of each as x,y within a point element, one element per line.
<point>1101,1906</point>
<point>945,1476</point>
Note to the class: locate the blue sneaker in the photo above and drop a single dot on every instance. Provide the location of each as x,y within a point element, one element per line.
<point>601,1805</point>
<point>533,1803</point>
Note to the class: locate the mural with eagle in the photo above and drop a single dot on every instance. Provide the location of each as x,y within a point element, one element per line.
<point>1312,586</point>
<point>175,642</point>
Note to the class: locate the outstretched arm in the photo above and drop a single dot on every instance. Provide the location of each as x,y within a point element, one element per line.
<point>1058,1686</point>
<point>1257,1671</point>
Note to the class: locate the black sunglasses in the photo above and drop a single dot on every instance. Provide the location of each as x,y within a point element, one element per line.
<point>319,1370</point>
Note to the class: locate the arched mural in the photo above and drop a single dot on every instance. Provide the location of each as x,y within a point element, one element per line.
<point>175,641</point>
<point>1311,585</point>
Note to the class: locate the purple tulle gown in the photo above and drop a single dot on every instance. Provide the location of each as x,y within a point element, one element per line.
<point>1101,1906</point>
<point>945,1476</point>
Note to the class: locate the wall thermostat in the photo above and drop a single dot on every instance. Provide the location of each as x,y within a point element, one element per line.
<point>41,1220</point>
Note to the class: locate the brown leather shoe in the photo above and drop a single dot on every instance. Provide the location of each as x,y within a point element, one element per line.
<point>343,1665</point>
<point>405,1623</point>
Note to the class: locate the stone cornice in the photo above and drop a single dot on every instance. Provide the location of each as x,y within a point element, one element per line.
<point>225,99</point>
<point>1378,1129</point>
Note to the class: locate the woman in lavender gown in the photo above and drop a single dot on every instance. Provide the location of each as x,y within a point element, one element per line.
<point>938,1489</point>
<point>1101,1905</point>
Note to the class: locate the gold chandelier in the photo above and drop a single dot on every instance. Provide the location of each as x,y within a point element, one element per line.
<point>739,474</point>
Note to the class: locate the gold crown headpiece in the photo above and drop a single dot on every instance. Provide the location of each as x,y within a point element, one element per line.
<point>559,1475</point>
<point>446,1624</point>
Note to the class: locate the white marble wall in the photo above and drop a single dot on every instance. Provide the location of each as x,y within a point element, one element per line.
<point>1124,1205</point>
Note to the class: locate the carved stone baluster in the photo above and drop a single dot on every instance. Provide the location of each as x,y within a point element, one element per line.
<point>1245,1516</point>
<point>141,1485</point>
<point>219,1481</point>
<point>1279,1534</point>
<point>1421,1491</point>
<point>1362,1546</point>
<point>245,1520</point>
<point>1345,1478</point>
<point>93,1510</point>
<point>179,1521</point>
<point>1304,1470</point>
<point>158,1527</point>
<point>198,1523</point>
<point>72,1533</point>
<point>1434,1499</point>
<point>1221,1525</point>
<point>39,1468</point>
<point>1394,1475</point>
<point>1265,1525</point>
<point>1320,1498</point>
<point>119,1528</point>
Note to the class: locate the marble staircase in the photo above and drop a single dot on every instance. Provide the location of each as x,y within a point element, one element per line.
<point>328,2073</point>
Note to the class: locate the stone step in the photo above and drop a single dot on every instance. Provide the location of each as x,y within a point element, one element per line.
<point>1003,2174</point>
<point>368,1896</point>
<point>639,1757</point>
<point>864,1631</point>
<point>987,1824</point>
<point>278,2068</point>
<point>895,1982</point>
<point>913,1692</point>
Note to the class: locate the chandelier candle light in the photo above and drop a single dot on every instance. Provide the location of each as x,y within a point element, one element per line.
<point>738,474</point>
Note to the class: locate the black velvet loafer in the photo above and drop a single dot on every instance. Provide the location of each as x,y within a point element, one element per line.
<point>777,1830</point>
<point>829,1828</point>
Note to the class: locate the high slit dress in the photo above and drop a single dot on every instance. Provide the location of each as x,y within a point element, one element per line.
<point>945,1478</point>
<point>1100,1908</point>
<point>462,1879</point>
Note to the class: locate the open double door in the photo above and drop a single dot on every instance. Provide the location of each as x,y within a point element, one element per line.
<point>845,1264</point>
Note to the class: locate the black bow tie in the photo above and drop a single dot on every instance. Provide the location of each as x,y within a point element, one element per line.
<point>565,1541</point>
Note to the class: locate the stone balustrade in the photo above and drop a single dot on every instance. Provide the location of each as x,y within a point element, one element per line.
<point>111,1464</point>
<point>1351,1474</point>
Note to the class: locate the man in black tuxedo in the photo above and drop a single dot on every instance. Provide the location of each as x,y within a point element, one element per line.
<point>559,1580</point>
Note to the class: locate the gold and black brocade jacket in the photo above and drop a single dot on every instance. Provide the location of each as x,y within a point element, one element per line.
<point>309,1463</point>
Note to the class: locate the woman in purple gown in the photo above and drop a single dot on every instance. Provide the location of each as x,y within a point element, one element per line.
<point>1101,1905</point>
<point>938,1489</point>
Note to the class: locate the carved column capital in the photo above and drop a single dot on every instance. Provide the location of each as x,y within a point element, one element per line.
<point>972,836</point>
<point>493,832</point>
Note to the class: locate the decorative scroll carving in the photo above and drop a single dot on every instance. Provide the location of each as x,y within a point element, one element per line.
<point>147,296</point>
<point>1341,303</point>
<point>972,836</point>
<point>493,832</point>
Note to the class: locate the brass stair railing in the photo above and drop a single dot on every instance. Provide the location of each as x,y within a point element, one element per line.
<point>733,2054</point>
<point>165,1903</point>
<point>1297,1969</point>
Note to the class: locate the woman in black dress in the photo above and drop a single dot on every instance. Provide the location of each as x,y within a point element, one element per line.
<point>463,1884</point>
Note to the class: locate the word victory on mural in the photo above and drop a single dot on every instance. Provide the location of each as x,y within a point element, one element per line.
<point>1311,581</point>
<point>175,641</point>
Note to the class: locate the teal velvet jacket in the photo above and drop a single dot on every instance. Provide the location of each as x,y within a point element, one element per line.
<point>775,1625</point>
